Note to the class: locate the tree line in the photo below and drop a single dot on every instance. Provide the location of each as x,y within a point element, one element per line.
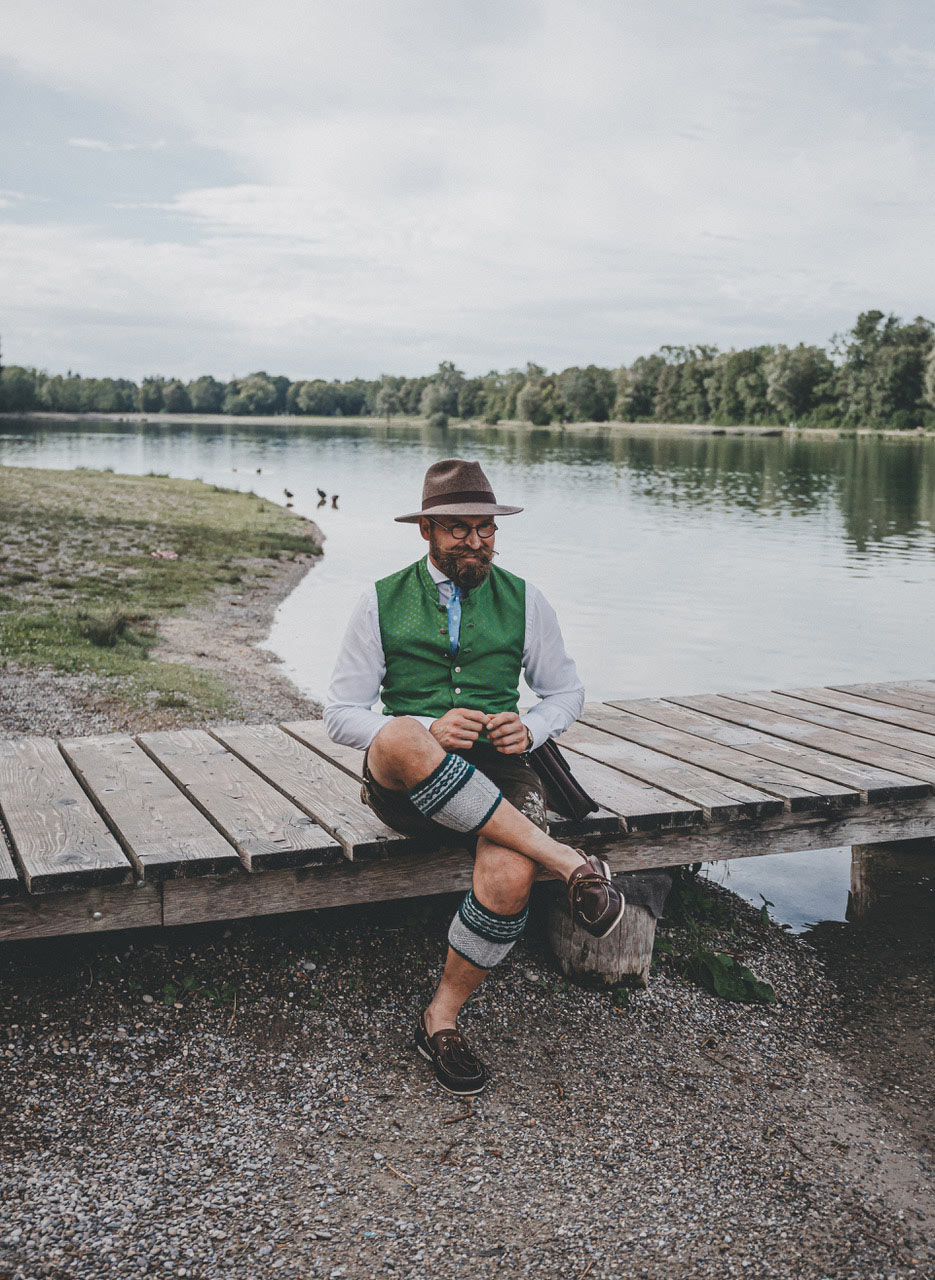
<point>880,374</point>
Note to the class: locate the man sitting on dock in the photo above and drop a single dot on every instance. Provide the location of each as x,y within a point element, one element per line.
<point>443,642</point>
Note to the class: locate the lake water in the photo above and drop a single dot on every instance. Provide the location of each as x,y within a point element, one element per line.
<point>678,563</point>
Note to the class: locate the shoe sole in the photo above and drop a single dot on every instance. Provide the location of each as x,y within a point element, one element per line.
<point>457,1093</point>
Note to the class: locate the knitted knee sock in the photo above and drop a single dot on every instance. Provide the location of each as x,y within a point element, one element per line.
<point>481,935</point>
<point>456,795</point>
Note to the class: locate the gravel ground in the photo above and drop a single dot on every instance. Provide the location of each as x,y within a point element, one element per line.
<point>243,1100</point>
<point>163,1130</point>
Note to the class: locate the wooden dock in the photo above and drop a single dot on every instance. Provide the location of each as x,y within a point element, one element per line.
<point>178,827</point>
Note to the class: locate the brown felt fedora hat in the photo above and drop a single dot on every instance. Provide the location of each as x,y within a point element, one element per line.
<point>454,487</point>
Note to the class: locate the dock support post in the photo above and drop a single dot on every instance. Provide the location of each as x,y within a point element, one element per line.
<point>899,875</point>
<point>623,958</point>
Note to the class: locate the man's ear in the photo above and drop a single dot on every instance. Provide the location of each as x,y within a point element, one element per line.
<point>425,528</point>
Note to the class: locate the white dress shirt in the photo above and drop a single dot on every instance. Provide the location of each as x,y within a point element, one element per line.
<point>358,673</point>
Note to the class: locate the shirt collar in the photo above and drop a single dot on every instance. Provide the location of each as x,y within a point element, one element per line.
<point>437,576</point>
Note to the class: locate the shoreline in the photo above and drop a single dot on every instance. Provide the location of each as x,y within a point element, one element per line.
<point>686,1134</point>
<point>456,424</point>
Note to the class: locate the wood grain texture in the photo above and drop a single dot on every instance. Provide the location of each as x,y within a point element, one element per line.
<point>798,790</point>
<point>97,910</point>
<point>412,875</point>
<point>10,885</point>
<point>58,837</point>
<point>794,729</point>
<point>265,828</point>
<point>320,788</point>
<point>721,799</point>
<point>845,721</point>
<point>623,957</point>
<point>312,733</point>
<point>911,694</point>
<point>922,721</point>
<point>641,806</point>
<point>160,830</point>
<point>872,785</point>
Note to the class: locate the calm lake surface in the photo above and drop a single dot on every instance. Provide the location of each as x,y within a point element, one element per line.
<point>678,563</point>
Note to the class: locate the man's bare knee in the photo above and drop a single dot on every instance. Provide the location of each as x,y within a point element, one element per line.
<point>402,753</point>
<point>503,878</point>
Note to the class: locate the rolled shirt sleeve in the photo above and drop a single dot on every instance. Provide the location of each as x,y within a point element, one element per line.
<point>549,672</point>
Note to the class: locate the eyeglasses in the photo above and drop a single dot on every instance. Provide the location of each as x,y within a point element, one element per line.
<point>459,531</point>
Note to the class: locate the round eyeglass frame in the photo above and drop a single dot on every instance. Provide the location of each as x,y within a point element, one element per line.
<point>468,529</point>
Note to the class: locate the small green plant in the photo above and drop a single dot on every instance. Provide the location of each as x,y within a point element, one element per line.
<point>765,917</point>
<point>726,977</point>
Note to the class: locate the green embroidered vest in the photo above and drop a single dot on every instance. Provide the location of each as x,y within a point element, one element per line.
<point>422,676</point>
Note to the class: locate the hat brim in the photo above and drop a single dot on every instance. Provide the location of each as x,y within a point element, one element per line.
<point>460,509</point>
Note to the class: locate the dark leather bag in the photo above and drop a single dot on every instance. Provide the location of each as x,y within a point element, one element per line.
<point>563,792</point>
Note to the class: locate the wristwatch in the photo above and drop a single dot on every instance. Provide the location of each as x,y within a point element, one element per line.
<point>529,738</point>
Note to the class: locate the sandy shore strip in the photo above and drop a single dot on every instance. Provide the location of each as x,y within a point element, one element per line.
<point>291,421</point>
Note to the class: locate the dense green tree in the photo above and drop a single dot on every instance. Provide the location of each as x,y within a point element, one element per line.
<point>640,395</point>
<point>585,395</point>
<point>206,394</point>
<point>440,394</point>
<point>799,381</point>
<point>175,398</point>
<point>255,394</point>
<point>150,398</point>
<point>881,381</point>
<point>17,389</point>
<point>388,401</point>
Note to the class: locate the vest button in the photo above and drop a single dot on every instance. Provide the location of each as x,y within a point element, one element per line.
<point>457,669</point>
<point>457,690</point>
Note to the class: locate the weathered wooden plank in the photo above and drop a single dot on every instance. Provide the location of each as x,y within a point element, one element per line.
<point>160,830</point>
<point>873,785</point>
<point>263,826</point>
<point>845,721</point>
<point>411,875</point>
<point>96,910</point>
<point>321,789</point>
<point>445,871</point>
<point>902,694</point>
<point>878,755</point>
<point>642,806</point>
<point>797,790</point>
<point>10,884</point>
<point>57,836</point>
<point>721,799</point>
<point>922,721</point>
<point>312,734</point>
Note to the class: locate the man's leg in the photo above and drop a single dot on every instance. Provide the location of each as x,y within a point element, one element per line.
<point>403,754</point>
<point>502,883</point>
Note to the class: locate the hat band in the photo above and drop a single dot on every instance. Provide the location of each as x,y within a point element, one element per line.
<point>464,495</point>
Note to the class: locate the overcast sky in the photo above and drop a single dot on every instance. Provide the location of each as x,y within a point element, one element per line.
<point>325,190</point>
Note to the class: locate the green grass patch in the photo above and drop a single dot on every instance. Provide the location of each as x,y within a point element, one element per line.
<point>92,535</point>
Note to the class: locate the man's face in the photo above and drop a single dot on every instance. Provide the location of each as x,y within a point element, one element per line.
<point>466,561</point>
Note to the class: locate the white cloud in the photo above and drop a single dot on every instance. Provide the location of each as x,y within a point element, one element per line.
<point>562,180</point>
<point>97,144</point>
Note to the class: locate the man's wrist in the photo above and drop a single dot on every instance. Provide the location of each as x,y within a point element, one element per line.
<point>529,738</point>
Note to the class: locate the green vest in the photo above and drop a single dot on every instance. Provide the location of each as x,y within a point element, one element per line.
<point>422,676</point>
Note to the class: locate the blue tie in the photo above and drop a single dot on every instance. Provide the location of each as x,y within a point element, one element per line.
<point>454,617</point>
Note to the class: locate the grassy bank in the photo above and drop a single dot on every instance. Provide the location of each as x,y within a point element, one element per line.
<point>81,589</point>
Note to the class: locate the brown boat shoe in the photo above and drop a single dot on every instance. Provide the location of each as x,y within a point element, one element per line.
<point>595,902</point>
<point>457,1067</point>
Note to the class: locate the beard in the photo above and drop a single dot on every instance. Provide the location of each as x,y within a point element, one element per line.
<point>466,573</point>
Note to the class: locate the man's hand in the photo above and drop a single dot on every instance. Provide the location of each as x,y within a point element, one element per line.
<point>458,728</point>
<point>507,733</point>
